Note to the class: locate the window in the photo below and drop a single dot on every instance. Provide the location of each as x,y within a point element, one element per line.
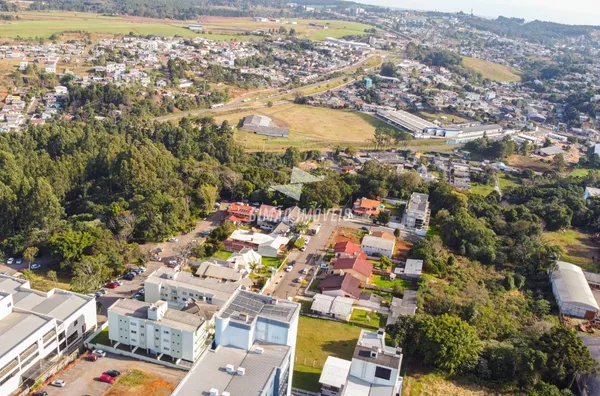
<point>133,324</point>
<point>133,332</point>
<point>383,373</point>
<point>166,331</point>
<point>75,323</point>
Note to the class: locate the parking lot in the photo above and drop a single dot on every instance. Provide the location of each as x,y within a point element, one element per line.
<point>81,378</point>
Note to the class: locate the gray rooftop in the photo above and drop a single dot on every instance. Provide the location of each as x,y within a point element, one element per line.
<point>257,305</point>
<point>175,319</point>
<point>207,286</point>
<point>16,327</point>
<point>370,342</point>
<point>210,370</point>
<point>418,202</point>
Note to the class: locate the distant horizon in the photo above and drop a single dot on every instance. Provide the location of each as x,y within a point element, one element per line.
<point>578,12</point>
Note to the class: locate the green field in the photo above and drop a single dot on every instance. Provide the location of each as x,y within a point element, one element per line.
<point>222,254</point>
<point>490,70</point>
<point>47,23</point>
<point>577,246</point>
<point>429,384</point>
<point>581,172</point>
<point>507,181</point>
<point>318,339</point>
<point>368,318</point>
<point>44,24</point>
<point>380,281</point>
<point>481,189</point>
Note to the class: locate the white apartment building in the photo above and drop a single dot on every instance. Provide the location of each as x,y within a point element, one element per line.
<point>373,371</point>
<point>179,288</point>
<point>36,328</point>
<point>157,329</point>
<point>417,212</point>
<point>253,350</point>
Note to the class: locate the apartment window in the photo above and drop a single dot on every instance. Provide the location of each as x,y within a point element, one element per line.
<point>383,373</point>
<point>75,323</point>
<point>184,293</point>
<point>165,340</point>
<point>133,324</point>
<point>133,332</point>
<point>166,331</point>
<point>166,349</point>
<point>133,340</point>
<point>142,327</point>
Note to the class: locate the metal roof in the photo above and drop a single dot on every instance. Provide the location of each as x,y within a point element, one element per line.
<point>16,327</point>
<point>572,287</point>
<point>210,370</point>
<point>418,202</point>
<point>335,372</point>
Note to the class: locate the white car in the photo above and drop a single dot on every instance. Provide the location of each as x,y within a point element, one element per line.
<point>173,240</point>
<point>59,383</point>
<point>10,261</point>
<point>289,268</point>
<point>99,352</point>
<point>35,266</point>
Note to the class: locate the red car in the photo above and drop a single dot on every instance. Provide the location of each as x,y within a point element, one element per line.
<point>91,357</point>
<point>112,285</point>
<point>106,378</point>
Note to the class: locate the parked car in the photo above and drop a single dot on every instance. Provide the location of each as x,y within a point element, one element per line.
<point>3,273</point>
<point>59,383</point>
<point>139,297</point>
<point>106,378</point>
<point>142,291</point>
<point>91,357</point>
<point>299,279</point>
<point>102,292</point>
<point>19,261</point>
<point>99,352</point>
<point>40,393</point>
<point>10,261</point>
<point>289,268</point>
<point>35,266</point>
<point>112,373</point>
<point>112,285</point>
<point>304,271</point>
<point>160,249</point>
<point>204,233</point>
<point>173,240</point>
<point>129,276</point>
<point>142,269</point>
<point>303,248</point>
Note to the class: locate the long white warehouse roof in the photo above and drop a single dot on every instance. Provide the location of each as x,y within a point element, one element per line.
<point>572,287</point>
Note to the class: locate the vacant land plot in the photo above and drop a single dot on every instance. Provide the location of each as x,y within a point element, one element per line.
<point>527,162</point>
<point>437,384</point>
<point>578,247</point>
<point>507,181</point>
<point>582,172</point>
<point>490,70</point>
<point>310,128</point>
<point>141,383</point>
<point>318,339</point>
<point>481,189</point>
<point>386,282</point>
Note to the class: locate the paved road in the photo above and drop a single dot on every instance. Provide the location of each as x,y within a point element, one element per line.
<point>283,284</point>
<point>81,377</point>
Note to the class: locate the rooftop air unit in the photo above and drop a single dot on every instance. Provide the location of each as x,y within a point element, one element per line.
<point>241,371</point>
<point>230,369</point>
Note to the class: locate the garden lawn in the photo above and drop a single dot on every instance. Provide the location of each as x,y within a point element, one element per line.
<point>222,254</point>
<point>274,262</point>
<point>318,339</point>
<point>380,281</point>
<point>368,318</point>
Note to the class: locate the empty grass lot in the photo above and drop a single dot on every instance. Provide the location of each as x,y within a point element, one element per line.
<point>222,254</point>
<point>481,189</point>
<point>490,70</point>
<point>577,246</point>
<point>368,318</point>
<point>380,281</point>
<point>417,384</point>
<point>137,382</point>
<point>318,339</point>
<point>310,128</point>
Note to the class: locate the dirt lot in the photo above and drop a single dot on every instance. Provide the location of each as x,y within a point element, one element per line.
<point>81,378</point>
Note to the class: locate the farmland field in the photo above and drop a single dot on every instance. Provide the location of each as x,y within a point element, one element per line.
<point>44,24</point>
<point>490,70</point>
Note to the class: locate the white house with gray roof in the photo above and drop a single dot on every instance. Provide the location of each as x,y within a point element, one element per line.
<point>36,328</point>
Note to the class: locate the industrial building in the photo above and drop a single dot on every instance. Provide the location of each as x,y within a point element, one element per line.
<point>572,291</point>
<point>37,328</point>
<point>406,121</point>
<point>262,125</point>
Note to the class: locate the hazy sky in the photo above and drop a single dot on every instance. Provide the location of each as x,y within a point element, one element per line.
<point>580,12</point>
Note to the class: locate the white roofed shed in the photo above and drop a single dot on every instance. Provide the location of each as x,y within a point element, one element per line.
<point>572,292</point>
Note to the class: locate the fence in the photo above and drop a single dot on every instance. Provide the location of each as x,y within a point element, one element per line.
<point>302,392</point>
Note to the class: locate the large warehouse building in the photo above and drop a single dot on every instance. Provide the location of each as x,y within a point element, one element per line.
<point>572,292</point>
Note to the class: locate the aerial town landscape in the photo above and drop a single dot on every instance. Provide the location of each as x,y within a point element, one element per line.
<point>320,197</point>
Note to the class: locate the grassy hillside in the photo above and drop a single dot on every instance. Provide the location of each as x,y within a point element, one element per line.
<point>490,70</point>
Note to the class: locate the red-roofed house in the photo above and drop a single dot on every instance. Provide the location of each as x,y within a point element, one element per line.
<point>356,266</point>
<point>366,207</point>
<point>342,285</point>
<point>239,213</point>
<point>268,217</point>
<point>348,249</point>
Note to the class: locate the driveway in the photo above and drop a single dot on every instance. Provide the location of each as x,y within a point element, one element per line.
<point>81,377</point>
